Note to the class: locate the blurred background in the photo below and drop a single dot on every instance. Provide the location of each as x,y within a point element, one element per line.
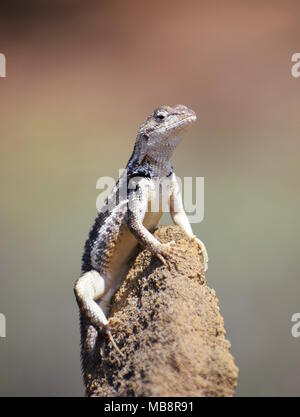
<point>81,77</point>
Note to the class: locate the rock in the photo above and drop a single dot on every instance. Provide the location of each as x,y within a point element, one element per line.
<point>167,322</point>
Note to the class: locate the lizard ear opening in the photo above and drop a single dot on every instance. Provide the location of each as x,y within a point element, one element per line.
<point>145,137</point>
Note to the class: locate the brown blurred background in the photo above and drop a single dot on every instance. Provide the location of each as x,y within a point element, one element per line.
<point>81,77</point>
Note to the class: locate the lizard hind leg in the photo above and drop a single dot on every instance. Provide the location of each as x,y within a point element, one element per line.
<point>93,293</point>
<point>89,289</point>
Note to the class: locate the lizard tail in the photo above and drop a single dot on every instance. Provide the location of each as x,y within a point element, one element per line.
<point>88,348</point>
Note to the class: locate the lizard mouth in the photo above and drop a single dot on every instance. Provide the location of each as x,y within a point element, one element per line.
<point>183,123</point>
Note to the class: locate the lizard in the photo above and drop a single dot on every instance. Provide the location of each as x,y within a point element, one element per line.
<point>127,220</point>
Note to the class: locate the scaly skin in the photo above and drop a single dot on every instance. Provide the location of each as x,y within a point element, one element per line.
<point>128,219</point>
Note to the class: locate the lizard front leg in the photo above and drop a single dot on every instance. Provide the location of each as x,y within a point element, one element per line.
<point>137,207</point>
<point>89,289</point>
<point>180,218</point>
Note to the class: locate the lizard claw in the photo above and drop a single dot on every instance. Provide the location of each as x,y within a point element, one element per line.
<point>169,252</point>
<point>110,336</point>
<point>108,333</point>
<point>203,252</point>
<point>162,259</point>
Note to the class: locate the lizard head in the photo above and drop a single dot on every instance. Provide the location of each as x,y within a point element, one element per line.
<point>163,129</point>
<point>166,123</point>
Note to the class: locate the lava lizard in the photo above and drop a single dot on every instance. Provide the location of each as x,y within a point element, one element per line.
<point>127,220</point>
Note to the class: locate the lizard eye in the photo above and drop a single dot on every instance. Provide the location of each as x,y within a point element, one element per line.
<point>160,116</point>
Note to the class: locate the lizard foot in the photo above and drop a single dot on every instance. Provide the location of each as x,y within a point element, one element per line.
<point>107,332</point>
<point>169,252</point>
<point>203,252</point>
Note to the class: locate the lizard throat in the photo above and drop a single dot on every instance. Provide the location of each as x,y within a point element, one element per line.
<point>153,162</point>
<point>150,167</point>
<point>159,159</point>
<point>158,166</point>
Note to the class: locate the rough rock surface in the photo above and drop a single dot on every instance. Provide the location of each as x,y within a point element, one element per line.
<point>168,324</point>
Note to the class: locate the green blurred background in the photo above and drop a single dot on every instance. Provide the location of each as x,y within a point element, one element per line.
<point>81,77</point>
